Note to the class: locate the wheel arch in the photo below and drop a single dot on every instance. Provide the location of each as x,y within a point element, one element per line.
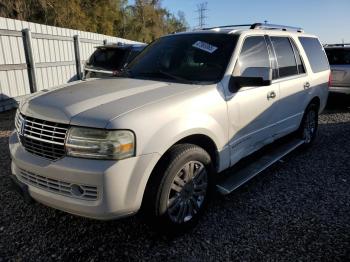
<point>204,142</point>
<point>200,140</point>
<point>315,100</point>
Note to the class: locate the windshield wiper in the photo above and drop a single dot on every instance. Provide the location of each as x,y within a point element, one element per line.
<point>179,78</point>
<point>124,72</point>
<point>169,75</point>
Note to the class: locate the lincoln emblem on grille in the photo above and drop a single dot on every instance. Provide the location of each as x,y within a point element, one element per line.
<point>21,128</point>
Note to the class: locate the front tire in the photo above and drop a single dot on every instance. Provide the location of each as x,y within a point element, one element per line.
<point>178,190</point>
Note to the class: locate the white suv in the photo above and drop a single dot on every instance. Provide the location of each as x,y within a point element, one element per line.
<point>157,137</point>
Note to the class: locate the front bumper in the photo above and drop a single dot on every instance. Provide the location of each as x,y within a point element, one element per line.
<point>21,188</point>
<point>340,89</point>
<point>120,184</point>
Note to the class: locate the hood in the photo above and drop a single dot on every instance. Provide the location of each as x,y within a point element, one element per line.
<point>94,103</point>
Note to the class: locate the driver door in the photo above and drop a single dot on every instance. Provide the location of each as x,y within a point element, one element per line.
<point>251,110</point>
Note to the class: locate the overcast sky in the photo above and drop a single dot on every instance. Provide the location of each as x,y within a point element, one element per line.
<point>329,19</point>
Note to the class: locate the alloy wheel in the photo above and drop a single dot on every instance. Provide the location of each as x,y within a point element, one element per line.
<point>187,192</point>
<point>309,126</point>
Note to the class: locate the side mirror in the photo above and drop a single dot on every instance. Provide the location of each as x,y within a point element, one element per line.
<point>253,76</point>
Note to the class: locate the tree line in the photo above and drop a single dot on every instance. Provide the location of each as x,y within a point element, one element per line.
<point>144,21</point>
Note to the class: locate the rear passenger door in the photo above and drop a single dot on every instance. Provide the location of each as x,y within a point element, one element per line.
<point>293,85</point>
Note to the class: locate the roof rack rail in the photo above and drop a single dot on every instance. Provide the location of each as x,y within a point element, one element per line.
<point>260,26</point>
<point>227,26</point>
<point>278,27</point>
<point>334,45</point>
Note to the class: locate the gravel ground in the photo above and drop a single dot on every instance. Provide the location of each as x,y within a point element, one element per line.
<point>299,209</point>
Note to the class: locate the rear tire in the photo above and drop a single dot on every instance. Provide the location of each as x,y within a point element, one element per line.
<point>309,125</point>
<point>178,190</point>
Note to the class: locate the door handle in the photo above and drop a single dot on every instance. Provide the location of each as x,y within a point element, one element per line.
<point>271,95</point>
<point>307,85</point>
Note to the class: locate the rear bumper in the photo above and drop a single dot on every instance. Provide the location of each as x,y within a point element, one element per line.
<point>340,89</point>
<point>120,184</point>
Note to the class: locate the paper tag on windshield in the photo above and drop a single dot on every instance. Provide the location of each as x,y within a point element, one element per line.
<point>205,46</point>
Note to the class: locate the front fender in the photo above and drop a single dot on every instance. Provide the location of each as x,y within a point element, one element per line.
<point>182,127</point>
<point>172,132</point>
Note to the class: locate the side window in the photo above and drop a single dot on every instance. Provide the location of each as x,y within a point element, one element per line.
<point>285,56</point>
<point>253,60</point>
<point>301,68</point>
<point>315,54</point>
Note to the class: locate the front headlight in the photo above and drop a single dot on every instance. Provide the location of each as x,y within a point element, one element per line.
<point>100,144</point>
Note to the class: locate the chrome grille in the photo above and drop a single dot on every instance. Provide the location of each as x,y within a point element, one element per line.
<point>41,137</point>
<point>61,187</point>
<point>18,121</point>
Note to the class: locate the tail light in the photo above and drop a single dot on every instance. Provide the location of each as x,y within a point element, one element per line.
<point>330,80</point>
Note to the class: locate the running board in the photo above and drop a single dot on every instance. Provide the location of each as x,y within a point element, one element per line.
<point>243,174</point>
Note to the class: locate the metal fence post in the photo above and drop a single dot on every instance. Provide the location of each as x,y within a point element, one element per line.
<point>27,43</point>
<point>77,56</point>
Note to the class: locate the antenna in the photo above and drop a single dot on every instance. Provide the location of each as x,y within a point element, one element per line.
<point>201,10</point>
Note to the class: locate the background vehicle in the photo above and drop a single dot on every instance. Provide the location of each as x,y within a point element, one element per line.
<point>188,107</point>
<point>109,59</point>
<point>339,60</point>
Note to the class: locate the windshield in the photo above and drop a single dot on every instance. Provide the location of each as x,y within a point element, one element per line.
<point>194,58</point>
<point>338,56</point>
<point>108,58</point>
<point>133,54</point>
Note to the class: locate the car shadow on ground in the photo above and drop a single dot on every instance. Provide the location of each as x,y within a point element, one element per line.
<point>337,103</point>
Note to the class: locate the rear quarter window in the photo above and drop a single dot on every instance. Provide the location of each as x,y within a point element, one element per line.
<point>315,54</point>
